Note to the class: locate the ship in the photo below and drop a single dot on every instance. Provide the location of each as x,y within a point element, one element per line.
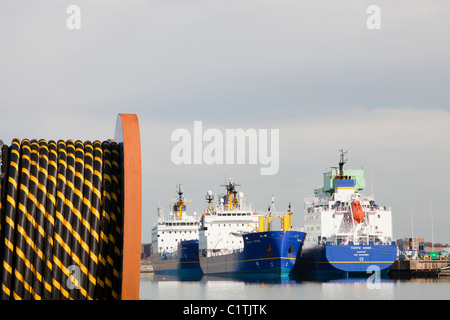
<point>235,240</point>
<point>174,248</point>
<point>348,233</point>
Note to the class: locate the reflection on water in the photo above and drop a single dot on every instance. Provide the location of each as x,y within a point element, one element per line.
<point>163,287</point>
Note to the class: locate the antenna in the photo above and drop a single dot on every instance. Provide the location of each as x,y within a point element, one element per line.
<point>231,187</point>
<point>209,197</point>
<point>432,231</point>
<point>180,192</point>
<point>412,226</point>
<point>342,162</point>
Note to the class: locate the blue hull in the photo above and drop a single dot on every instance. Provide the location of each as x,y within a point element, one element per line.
<point>185,264</point>
<point>273,253</point>
<point>347,260</point>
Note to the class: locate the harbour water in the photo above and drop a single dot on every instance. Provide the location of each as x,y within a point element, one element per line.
<point>157,287</point>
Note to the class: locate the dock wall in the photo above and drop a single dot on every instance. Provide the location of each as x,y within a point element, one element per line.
<point>418,268</point>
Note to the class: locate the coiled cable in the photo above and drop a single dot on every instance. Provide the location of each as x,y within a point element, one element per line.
<point>60,220</point>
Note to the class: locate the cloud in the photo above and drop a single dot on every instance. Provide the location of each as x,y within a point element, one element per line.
<point>311,69</point>
<point>401,151</point>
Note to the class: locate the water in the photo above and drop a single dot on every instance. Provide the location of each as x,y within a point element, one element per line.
<point>157,287</point>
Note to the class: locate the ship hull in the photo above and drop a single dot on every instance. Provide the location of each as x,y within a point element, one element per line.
<point>273,253</point>
<point>347,260</point>
<point>185,263</point>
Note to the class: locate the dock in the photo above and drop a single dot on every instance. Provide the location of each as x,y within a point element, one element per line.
<point>146,268</point>
<point>419,269</point>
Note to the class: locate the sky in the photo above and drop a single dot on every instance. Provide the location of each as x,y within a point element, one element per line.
<point>311,69</point>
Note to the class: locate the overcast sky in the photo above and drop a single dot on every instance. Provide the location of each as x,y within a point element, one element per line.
<point>311,69</point>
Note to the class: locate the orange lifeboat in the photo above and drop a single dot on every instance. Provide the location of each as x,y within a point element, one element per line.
<point>358,213</point>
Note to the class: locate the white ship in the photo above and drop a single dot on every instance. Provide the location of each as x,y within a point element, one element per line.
<point>174,248</point>
<point>347,232</point>
<point>235,240</point>
<point>222,227</point>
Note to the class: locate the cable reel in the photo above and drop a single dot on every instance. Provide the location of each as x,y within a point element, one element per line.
<point>70,215</point>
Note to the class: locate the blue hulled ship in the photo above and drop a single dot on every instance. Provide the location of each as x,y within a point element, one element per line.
<point>235,240</point>
<point>348,233</point>
<point>174,247</point>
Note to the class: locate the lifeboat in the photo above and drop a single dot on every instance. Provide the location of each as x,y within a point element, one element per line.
<point>358,213</point>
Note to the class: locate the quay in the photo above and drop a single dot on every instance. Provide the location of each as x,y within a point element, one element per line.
<point>420,268</point>
<point>146,268</point>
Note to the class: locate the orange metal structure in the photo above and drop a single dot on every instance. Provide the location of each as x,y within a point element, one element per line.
<point>128,137</point>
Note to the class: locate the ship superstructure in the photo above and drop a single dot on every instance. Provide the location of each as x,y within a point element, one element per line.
<point>175,239</point>
<point>222,226</point>
<point>346,230</point>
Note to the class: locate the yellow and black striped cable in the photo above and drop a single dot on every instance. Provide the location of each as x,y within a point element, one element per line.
<point>8,220</point>
<point>61,220</point>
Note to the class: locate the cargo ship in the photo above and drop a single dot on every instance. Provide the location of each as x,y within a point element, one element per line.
<point>174,248</point>
<point>235,240</point>
<point>348,233</point>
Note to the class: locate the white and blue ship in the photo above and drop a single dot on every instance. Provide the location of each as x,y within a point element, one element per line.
<point>229,239</point>
<point>348,233</point>
<point>235,240</point>
<point>174,249</point>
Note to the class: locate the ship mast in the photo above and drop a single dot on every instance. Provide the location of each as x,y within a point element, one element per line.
<point>341,163</point>
<point>179,204</point>
<point>210,198</point>
<point>231,200</point>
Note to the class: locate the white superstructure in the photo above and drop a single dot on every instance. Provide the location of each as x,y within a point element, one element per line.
<point>339,214</point>
<point>167,233</point>
<point>221,228</point>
